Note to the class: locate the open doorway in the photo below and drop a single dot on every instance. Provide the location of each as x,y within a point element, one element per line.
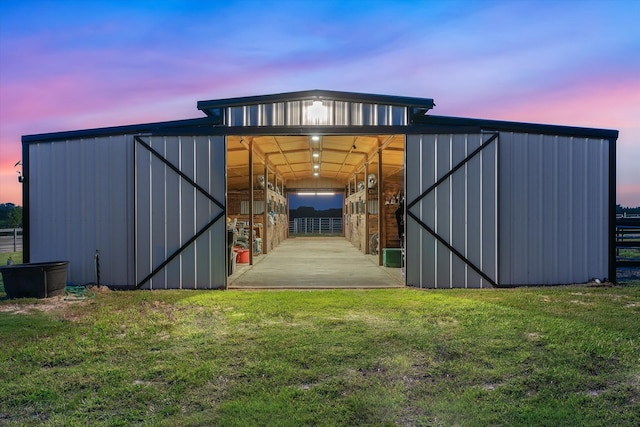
<point>356,180</point>
<point>316,213</point>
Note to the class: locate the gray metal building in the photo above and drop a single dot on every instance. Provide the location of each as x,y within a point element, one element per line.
<point>488,203</point>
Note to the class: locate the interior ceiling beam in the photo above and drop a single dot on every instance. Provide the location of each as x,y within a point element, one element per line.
<point>372,153</point>
<point>261,155</point>
<point>348,155</point>
<point>353,147</point>
<point>302,150</point>
<point>383,145</point>
<point>337,163</point>
<point>351,151</point>
<point>236,173</point>
<point>245,141</point>
<point>395,171</point>
<point>285,157</point>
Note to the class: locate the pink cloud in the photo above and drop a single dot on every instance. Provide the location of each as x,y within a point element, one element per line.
<point>612,104</point>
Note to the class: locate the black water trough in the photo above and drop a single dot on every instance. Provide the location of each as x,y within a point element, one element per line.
<point>35,280</point>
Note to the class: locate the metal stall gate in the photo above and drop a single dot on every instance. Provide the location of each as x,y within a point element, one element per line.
<point>180,222</point>
<point>451,210</point>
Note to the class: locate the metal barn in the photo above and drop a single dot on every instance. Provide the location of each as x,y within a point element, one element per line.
<point>487,203</point>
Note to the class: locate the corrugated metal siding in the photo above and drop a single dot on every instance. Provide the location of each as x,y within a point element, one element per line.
<point>553,209</point>
<point>462,210</point>
<point>170,211</point>
<point>79,202</point>
<point>338,113</point>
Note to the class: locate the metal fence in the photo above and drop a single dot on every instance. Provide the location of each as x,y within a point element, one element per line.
<point>329,226</point>
<point>10,239</point>
<point>628,242</point>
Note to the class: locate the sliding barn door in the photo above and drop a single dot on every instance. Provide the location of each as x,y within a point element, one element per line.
<point>451,210</point>
<point>180,215</point>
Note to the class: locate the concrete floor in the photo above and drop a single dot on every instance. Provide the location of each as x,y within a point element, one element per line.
<point>314,262</point>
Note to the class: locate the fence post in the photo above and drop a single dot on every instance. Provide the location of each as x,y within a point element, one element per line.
<point>15,238</point>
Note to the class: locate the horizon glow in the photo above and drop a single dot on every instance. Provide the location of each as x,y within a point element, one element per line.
<point>81,65</point>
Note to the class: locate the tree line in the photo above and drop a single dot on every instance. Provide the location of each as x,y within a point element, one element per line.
<point>627,210</point>
<point>311,212</point>
<point>10,215</point>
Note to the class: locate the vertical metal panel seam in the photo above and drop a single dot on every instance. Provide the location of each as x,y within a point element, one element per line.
<point>210,189</point>
<point>496,212</point>
<point>180,206</point>
<point>481,208</point>
<point>194,156</point>
<point>526,209</point>
<point>451,210</point>
<point>435,202</point>
<point>224,183</point>
<point>539,202</point>
<point>26,205</point>
<point>612,210</point>
<point>585,204</point>
<point>135,210</point>
<point>570,255</point>
<point>164,203</point>
<point>466,211</point>
<point>148,181</point>
<point>421,232</point>
<point>556,206</point>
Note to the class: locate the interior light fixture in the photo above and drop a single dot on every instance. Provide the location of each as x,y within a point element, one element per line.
<point>319,193</point>
<point>316,154</point>
<point>316,166</point>
<point>316,173</point>
<point>317,113</point>
<point>315,138</point>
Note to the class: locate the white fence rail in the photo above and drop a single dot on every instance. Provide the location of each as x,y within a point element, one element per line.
<point>10,239</point>
<point>316,226</point>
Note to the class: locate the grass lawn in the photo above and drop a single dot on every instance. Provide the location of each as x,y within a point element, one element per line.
<point>535,356</point>
<point>15,256</point>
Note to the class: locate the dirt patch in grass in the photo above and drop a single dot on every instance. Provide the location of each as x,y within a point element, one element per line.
<point>51,304</point>
<point>47,305</point>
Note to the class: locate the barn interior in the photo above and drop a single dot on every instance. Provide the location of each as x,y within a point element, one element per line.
<point>264,171</point>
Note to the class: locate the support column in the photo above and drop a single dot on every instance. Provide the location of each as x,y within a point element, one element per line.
<point>381,233</point>
<point>265,213</point>
<point>251,202</point>
<point>366,208</point>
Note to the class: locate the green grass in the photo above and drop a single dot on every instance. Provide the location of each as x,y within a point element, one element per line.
<point>629,253</point>
<point>517,357</point>
<point>15,256</point>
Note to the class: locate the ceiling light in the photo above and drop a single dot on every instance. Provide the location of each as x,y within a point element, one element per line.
<point>316,154</point>
<point>319,193</point>
<point>316,174</point>
<point>315,138</point>
<point>317,113</point>
<point>316,166</point>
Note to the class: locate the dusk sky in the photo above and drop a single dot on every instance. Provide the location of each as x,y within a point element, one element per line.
<point>68,65</point>
<point>320,203</point>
